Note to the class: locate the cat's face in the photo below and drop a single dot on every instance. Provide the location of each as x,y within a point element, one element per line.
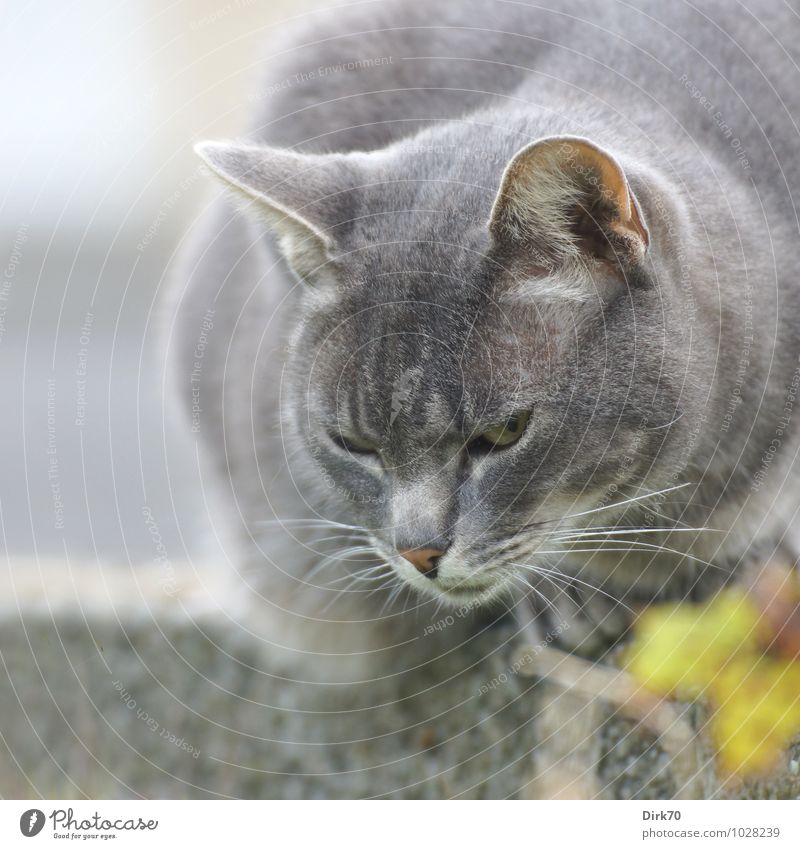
<point>448,400</point>
<point>463,428</point>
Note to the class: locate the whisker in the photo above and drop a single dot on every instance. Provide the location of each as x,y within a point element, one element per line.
<point>544,598</point>
<point>655,512</point>
<point>631,500</point>
<point>527,587</point>
<point>367,576</point>
<point>350,535</point>
<point>668,424</point>
<point>392,597</point>
<point>392,581</point>
<point>353,585</point>
<point>632,546</point>
<point>346,589</point>
<point>344,554</point>
<point>572,579</point>
<point>588,532</point>
<point>310,522</point>
<point>561,589</point>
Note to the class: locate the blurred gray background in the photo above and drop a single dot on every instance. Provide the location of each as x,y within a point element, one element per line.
<point>102,103</point>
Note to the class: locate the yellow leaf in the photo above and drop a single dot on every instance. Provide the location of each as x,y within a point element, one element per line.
<point>678,648</point>
<point>756,711</point>
<point>716,650</point>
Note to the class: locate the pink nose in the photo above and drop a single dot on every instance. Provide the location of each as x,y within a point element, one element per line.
<point>424,560</point>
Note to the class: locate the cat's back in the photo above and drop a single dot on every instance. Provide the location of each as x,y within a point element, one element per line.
<point>367,74</point>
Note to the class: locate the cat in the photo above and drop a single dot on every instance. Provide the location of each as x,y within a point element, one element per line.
<point>505,315</point>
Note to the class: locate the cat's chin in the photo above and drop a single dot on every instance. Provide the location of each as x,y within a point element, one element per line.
<point>472,598</point>
<point>463,595</point>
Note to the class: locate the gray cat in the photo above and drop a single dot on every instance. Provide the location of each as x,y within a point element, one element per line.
<point>502,309</point>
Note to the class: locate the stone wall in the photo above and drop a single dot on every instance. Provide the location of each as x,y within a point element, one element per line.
<point>111,688</point>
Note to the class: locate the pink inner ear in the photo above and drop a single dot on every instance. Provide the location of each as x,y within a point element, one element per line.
<point>602,234</point>
<point>607,181</point>
<point>590,234</point>
<point>568,177</point>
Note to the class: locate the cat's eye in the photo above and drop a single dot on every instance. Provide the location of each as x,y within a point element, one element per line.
<point>502,435</point>
<point>353,444</point>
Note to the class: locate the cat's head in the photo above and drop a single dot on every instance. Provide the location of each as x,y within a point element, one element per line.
<point>482,358</point>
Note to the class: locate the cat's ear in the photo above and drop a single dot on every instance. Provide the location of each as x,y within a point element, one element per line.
<point>566,197</point>
<point>301,196</point>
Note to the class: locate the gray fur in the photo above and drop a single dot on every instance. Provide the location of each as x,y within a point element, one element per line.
<point>416,317</point>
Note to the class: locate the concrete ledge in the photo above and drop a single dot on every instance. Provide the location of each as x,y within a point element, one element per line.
<point>116,689</point>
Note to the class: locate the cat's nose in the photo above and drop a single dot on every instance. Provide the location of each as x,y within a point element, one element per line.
<point>424,560</point>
